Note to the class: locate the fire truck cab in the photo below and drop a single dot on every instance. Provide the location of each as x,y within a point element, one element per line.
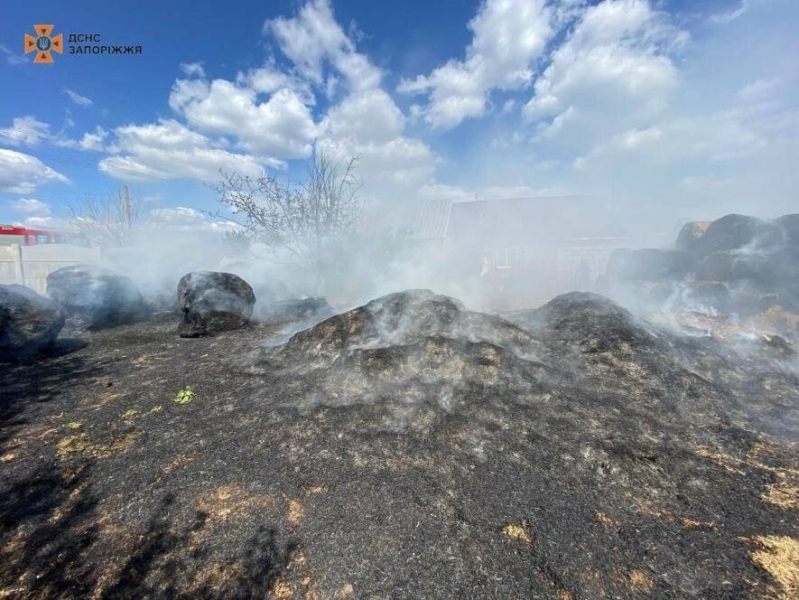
<point>25,236</point>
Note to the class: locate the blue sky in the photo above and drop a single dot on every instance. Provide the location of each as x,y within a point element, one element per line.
<point>670,109</point>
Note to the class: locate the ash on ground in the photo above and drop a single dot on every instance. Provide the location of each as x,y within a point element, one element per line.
<point>408,448</point>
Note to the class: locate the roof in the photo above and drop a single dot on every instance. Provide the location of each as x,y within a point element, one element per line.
<point>428,219</point>
<point>514,221</point>
<point>544,219</point>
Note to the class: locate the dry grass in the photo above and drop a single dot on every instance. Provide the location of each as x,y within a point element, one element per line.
<point>648,508</point>
<point>180,461</point>
<point>640,581</point>
<point>519,531</point>
<point>282,589</point>
<point>216,575</point>
<point>296,511</point>
<point>775,319</point>
<point>690,523</point>
<point>605,520</point>
<point>82,444</point>
<point>233,502</point>
<point>784,494</point>
<point>725,461</point>
<point>74,444</point>
<point>779,556</point>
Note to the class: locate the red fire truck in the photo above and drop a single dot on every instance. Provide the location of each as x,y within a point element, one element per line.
<point>25,236</point>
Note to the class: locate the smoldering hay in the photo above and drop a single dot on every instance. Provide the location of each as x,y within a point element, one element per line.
<point>406,448</point>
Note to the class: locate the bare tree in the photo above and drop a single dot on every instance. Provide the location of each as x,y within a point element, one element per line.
<point>110,221</point>
<point>304,219</point>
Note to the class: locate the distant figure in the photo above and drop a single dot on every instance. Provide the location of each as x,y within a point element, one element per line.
<point>486,266</point>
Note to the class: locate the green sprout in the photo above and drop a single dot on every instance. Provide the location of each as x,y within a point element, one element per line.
<point>185,395</point>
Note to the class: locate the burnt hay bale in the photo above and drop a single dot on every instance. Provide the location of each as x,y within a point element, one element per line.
<point>95,296</point>
<point>212,301</point>
<point>736,232</point>
<point>706,296</point>
<point>29,323</point>
<point>766,271</point>
<point>789,226</point>
<point>690,235</point>
<point>300,309</point>
<point>593,323</point>
<point>648,264</point>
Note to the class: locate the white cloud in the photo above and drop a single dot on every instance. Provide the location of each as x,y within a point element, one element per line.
<point>28,131</point>
<point>760,90</point>
<point>721,136</point>
<point>188,219</point>
<point>31,206</point>
<point>269,79</point>
<point>389,168</point>
<point>280,128</point>
<point>25,131</point>
<point>313,38</point>
<point>508,36</point>
<point>614,70</point>
<point>371,115</point>
<point>728,17</point>
<point>78,99</point>
<point>368,125</point>
<point>46,222</point>
<point>706,185</point>
<point>267,114</point>
<point>194,69</point>
<point>21,173</point>
<point>91,141</point>
<point>13,58</point>
<point>169,150</point>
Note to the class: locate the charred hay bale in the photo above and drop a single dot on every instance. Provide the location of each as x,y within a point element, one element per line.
<point>212,301</point>
<point>95,296</point>
<point>300,309</point>
<point>735,232</point>
<point>29,323</point>
<point>649,264</point>
<point>748,301</point>
<point>658,293</point>
<point>593,323</point>
<point>766,271</point>
<point>776,319</point>
<point>717,267</point>
<point>404,352</point>
<point>703,296</point>
<point>777,345</point>
<point>789,226</point>
<point>402,317</point>
<point>690,235</point>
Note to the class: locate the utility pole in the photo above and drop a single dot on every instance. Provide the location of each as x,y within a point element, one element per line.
<point>128,215</point>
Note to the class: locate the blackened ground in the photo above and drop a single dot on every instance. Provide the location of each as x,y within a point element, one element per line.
<point>578,454</point>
